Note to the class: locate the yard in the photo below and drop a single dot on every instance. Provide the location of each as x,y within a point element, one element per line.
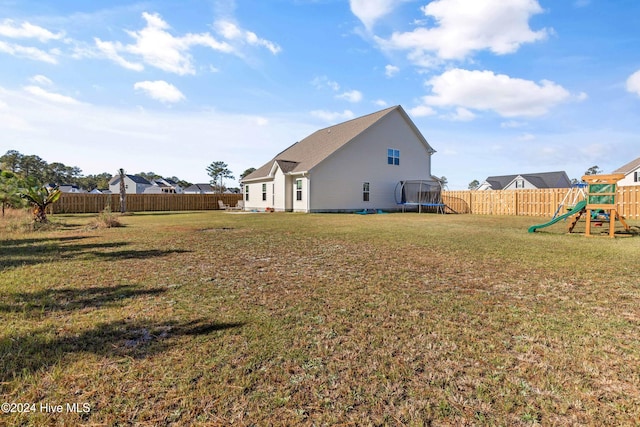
<point>211,318</point>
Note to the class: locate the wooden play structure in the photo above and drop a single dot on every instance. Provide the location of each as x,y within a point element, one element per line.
<point>597,203</point>
<point>601,202</point>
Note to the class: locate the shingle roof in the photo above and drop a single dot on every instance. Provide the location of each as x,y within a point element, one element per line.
<point>135,178</point>
<point>307,153</point>
<point>557,179</point>
<point>499,182</point>
<point>203,188</point>
<point>629,167</point>
<point>138,179</point>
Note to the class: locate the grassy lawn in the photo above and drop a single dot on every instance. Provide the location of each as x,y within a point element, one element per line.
<point>211,318</point>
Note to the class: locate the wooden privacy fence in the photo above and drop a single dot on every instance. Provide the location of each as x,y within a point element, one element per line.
<point>94,203</point>
<point>543,202</point>
<point>503,202</point>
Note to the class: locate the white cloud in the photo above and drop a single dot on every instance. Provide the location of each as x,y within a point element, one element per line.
<point>582,96</point>
<point>26,30</point>
<point>466,26</point>
<point>484,90</point>
<point>110,51</point>
<point>391,70</point>
<point>29,52</point>
<point>323,81</point>
<point>369,11</point>
<point>462,115</point>
<point>633,83</point>
<point>159,48</point>
<point>41,80</point>
<point>380,103</point>
<point>261,121</point>
<point>422,111</point>
<point>512,124</point>
<point>351,96</point>
<point>50,96</point>
<point>231,31</point>
<point>329,116</point>
<point>526,137</point>
<point>160,90</point>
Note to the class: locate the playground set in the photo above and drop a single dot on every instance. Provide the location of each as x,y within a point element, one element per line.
<point>597,203</point>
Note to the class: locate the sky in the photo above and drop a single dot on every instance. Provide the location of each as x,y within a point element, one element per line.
<point>497,87</point>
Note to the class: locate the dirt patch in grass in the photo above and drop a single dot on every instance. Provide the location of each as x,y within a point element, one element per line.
<point>214,319</point>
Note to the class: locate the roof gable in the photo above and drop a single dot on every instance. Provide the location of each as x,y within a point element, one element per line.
<point>500,182</point>
<point>539,180</point>
<point>310,151</point>
<point>629,167</point>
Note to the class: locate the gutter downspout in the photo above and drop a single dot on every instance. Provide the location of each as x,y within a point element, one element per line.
<point>306,175</point>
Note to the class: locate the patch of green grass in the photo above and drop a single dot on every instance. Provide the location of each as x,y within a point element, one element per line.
<point>209,318</point>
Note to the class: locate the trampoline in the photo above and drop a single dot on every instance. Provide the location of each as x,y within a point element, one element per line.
<point>420,195</point>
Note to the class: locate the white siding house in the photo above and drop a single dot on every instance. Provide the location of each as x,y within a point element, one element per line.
<point>163,186</point>
<point>350,166</point>
<point>527,181</point>
<point>631,173</point>
<point>133,184</point>
<point>200,189</point>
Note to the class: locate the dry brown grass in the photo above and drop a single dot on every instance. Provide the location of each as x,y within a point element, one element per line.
<point>281,319</point>
<point>16,220</point>
<point>106,219</point>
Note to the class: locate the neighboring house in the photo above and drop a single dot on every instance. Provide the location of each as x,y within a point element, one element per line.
<point>163,186</point>
<point>70,188</point>
<point>133,184</point>
<point>350,166</point>
<point>527,181</point>
<point>631,173</point>
<point>200,189</point>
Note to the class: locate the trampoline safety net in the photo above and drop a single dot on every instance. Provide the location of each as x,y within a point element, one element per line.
<point>419,193</point>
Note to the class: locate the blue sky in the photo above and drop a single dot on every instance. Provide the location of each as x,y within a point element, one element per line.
<point>496,86</point>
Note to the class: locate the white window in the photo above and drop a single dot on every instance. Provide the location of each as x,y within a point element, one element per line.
<point>298,189</point>
<point>365,192</point>
<point>264,192</point>
<point>636,177</point>
<point>246,192</point>
<point>520,183</point>
<point>393,157</point>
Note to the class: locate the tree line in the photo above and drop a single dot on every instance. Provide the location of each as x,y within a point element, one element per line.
<point>37,171</point>
<point>28,179</point>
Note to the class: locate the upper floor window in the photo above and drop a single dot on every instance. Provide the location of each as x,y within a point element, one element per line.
<point>393,157</point>
<point>520,183</point>
<point>264,192</point>
<point>636,177</point>
<point>246,192</point>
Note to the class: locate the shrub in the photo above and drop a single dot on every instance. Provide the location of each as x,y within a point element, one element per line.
<point>106,219</point>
